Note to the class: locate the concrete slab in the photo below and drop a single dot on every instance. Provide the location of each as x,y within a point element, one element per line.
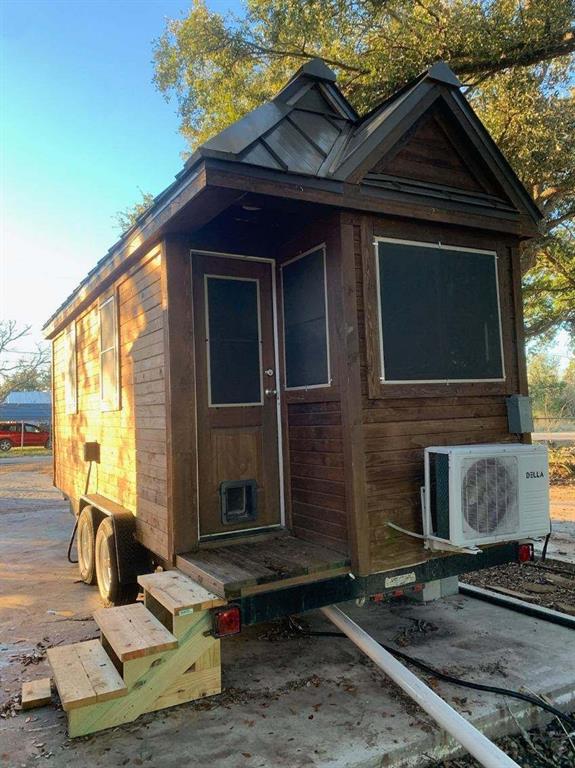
<point>289,701</point>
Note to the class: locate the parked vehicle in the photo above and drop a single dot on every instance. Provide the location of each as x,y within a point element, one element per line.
<point>15,433</point>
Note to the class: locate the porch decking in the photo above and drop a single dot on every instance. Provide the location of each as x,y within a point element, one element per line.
<point>234,570</point>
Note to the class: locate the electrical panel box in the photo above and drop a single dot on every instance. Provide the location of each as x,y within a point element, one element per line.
<point>519,414</point>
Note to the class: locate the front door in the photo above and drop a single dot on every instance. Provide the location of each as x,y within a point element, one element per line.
<point>236,384</point>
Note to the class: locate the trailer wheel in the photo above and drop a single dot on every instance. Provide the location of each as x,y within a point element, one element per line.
<point>111,590</point>
<point>88,522</point>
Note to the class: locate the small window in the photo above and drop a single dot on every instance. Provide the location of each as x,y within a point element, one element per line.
<point>70,370</point>
<point>31,428</point>
<point>306,346</point>
<point>109,367</point>
<point>438,313</point>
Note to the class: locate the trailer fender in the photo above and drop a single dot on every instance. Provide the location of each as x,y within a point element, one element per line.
<point>131,557</point>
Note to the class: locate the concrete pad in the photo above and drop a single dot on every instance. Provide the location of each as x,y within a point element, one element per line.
<point>317,701</point>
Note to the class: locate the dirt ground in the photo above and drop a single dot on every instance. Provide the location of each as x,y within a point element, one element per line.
<point>288,702</point>
<point>562,498</point>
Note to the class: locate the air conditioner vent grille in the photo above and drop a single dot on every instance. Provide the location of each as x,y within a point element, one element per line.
<point>489,490</point>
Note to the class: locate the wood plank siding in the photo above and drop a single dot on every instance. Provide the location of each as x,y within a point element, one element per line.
<point>400,421</point>
<point>318,499</point>
<point>133,468</point>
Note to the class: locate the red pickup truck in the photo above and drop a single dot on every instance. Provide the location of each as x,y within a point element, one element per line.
<point>12,436</point>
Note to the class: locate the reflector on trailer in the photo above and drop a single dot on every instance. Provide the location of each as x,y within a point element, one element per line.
<point>525,553</point>
<point>227,621</point>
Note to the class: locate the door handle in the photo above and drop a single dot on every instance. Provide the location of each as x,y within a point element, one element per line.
<point>270,392</point>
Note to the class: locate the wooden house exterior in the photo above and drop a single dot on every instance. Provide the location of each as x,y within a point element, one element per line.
<point>229,359</point>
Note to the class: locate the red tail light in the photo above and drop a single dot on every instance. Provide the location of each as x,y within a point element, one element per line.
<point>525,553</point>
<point>227,621</point>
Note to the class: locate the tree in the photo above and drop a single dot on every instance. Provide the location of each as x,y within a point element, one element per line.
<point>21,374</point>
<point>126,218</point>
<point>515,59</point>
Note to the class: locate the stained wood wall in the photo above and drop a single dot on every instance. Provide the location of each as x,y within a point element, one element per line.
<point>397,427</point>
<point>314,461</point>
<point>132,469</point>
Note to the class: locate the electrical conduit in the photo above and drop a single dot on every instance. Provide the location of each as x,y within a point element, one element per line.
<point>478,745</point>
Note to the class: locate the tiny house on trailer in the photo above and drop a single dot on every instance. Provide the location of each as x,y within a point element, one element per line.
<point>320,316</point>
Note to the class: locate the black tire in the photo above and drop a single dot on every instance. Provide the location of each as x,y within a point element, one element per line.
<point>111,591</point>
<point>5,444</point>
<point>88,522</point>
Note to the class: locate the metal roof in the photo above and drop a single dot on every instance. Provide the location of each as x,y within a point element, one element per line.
<point>37,413</point>
<point>310,129</point>
<point>19,398</point>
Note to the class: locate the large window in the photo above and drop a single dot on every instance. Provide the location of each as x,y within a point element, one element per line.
<point>109,364</point>
<point>305,321</point>
<point>438,312</point>
<point>70,370</point>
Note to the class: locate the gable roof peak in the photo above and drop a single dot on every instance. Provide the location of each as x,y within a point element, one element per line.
<point>442,73</point>
<point>317,69</point>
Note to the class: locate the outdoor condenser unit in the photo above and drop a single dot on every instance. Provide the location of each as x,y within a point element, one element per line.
<point>478,494</point>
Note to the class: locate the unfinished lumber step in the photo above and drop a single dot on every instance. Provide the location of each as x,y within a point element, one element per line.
<point>84,674</point>
<point>178,593</point>
<point>132,631</point>
<point>36,693</point>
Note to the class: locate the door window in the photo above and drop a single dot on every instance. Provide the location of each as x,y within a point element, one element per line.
<point>233,341</point>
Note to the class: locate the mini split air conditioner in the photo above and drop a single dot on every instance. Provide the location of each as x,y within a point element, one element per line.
<point>479,494</point>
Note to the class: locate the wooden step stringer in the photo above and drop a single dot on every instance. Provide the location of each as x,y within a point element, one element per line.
<point>150,656</point>
<point>190,671</point>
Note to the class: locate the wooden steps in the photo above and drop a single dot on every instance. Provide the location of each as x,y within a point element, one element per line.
<point>178,593</point>
<point>84,674</point>
<point>149,657</point>
<point>133,631</point>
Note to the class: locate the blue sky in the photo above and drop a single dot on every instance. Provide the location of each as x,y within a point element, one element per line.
<point>82,128</point>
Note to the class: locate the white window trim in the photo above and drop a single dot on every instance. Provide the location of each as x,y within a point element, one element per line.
<point>441,246</point>
<point>304,388</point>
<point>105,405</point>
<point>71,385</point>
<point>255,280</point>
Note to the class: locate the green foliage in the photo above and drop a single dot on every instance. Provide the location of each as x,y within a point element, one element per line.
<point>552,394</point>
<point>513,56</point>
<point>126,218</point>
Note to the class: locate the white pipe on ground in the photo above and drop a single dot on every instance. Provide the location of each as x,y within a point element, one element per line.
<point>478,745</point>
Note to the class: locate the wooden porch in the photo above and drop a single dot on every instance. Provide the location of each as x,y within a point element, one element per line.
<point>239,569</point>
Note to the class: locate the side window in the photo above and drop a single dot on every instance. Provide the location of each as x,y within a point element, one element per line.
<point>31,428</point>
<point>109,364</point>
<point>70,371</point>
<point>306,346</point>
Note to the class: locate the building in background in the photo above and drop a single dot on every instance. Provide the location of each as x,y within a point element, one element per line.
<point>33,407</point>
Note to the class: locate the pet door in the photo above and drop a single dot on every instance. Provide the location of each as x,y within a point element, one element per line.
<point>238,501</point>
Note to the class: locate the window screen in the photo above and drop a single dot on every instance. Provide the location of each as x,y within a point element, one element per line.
<point>109,373</point>
<point>305,321</point>
<point>70,370</point>
<point>439,313</point>
<point>233,341</point>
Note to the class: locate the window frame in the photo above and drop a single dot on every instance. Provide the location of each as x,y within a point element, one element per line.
<point>329,383</point>
<point>255,280</point>
<point>71,385</point>
<point>115,405</point>
<point>379,315</point>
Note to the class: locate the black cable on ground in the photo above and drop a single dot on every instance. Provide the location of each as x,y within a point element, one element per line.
<point>544,552</point>
<point>78,517</point>
<point>72,541</point>
<point>570,721</point>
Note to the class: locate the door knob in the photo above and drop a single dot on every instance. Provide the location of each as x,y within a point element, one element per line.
<point>271,392</point>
